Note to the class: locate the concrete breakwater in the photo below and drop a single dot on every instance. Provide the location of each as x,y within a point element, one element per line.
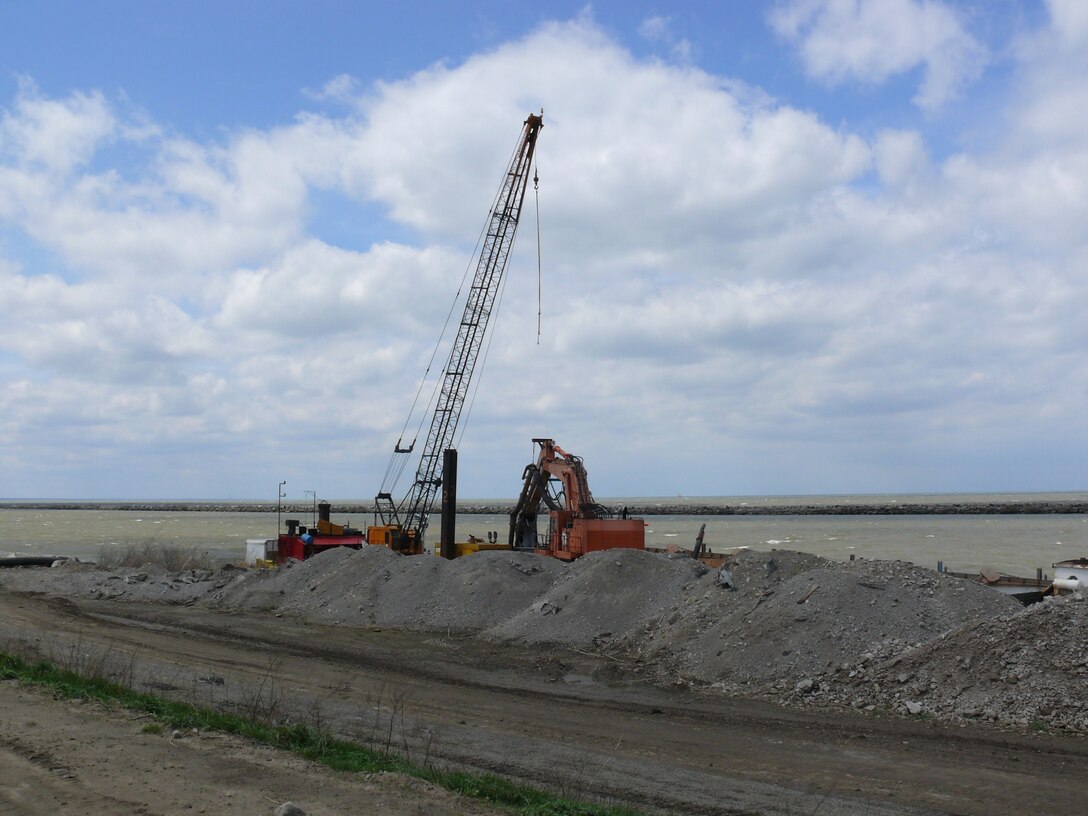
<point>678,508</point>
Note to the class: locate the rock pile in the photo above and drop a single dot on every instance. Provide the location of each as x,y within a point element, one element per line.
<point>1028,669</point>
<point>374,586</point>
<point>792,615</point>
<point>784,625</point>
<point>601,597</point>
<point>150,583</point>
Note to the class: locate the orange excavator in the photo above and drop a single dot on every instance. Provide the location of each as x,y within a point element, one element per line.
<point>576,523</point>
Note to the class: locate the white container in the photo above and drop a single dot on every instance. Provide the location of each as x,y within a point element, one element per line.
<point>1073,568</point>
<point>258,549</point>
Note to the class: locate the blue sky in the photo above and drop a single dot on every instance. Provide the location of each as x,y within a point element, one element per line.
<point>808,246</point>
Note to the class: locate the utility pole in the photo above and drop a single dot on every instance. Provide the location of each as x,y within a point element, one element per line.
<point>280,496</point>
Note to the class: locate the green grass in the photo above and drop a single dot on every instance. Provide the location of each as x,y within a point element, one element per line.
<point>313,743</point>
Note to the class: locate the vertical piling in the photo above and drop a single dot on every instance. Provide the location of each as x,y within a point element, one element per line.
<point>447,549</point>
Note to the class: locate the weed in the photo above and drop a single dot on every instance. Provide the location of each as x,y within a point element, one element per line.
<point>262,703</point>
<point>309,741</point>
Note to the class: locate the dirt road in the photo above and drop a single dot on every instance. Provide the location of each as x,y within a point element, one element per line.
<point>573,722</point>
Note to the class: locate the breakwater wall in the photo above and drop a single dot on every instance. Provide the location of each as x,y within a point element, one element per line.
<point>656,509</point>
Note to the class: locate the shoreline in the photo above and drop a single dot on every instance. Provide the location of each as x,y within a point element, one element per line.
<point>1041,507</point>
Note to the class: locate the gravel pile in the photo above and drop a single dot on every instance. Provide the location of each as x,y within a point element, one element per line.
<point>374,586</point>
<point>788,626</point>
<point>601,597</point>
<point>790,615</point>
<point>1025,670</point>
<point>148,583</point>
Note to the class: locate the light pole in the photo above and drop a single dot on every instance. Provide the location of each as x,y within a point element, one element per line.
<point>280,496</point>
<point>313,520</point>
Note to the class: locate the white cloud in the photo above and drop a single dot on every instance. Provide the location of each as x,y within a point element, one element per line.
<point>659,30</point>
<point>654,28</point>
<point>1070,20</point>
<point>341,88</point>
<point>674,136</point>
<point>872,40</point>
<point>55,135</point>
<point>723,273</point>
<point>192,210</point>
<point>901,158</point>
<point>313,287</point>
<point>1051,94</point>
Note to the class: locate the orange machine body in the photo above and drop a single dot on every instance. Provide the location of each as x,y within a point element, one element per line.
<point>576,523</point>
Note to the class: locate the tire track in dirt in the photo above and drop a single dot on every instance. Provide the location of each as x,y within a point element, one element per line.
<point>538,715</point>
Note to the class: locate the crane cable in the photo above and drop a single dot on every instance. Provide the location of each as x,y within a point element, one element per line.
<point>475,388</point>
<point>536,195</point>
<point>396,466</point>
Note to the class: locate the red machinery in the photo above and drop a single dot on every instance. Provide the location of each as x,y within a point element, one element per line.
<point>299,542</point>
<point>576,523</point>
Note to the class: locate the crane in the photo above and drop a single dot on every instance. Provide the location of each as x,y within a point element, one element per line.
<point>576,523</point>
<point>403,526</point>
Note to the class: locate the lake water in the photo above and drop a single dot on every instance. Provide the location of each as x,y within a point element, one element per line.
<point>1011,543</point>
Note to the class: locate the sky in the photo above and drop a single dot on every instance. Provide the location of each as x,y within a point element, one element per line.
<point>785,248</point>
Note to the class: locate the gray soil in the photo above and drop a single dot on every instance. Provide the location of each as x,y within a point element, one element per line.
<point>872,638</point>
<point>792,627</point>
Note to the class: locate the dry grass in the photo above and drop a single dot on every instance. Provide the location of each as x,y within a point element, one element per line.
<point>148,553</point>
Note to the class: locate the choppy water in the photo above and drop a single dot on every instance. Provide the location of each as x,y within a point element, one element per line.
<point>1016,544</point>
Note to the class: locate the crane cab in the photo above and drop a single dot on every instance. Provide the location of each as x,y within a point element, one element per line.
<point>395,537</point>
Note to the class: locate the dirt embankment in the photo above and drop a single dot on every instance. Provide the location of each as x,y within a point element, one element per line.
<point>782,625</point>
<point>786,684</point>
<point>63,756</point>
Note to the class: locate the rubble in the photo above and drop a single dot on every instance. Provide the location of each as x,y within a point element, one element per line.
<point>876,636</point>
<point>1027,670</point>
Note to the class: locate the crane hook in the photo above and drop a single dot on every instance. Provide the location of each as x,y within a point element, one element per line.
<point>536,178</point>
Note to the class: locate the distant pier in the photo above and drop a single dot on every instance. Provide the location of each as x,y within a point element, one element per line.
<point>669,508</point>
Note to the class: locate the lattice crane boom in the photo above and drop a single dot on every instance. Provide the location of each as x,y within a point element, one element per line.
<point>412,514</point>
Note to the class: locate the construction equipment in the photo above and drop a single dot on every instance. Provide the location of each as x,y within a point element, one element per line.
<point>300,542</point>
<point>402,526</point>
<point>576,523</point>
